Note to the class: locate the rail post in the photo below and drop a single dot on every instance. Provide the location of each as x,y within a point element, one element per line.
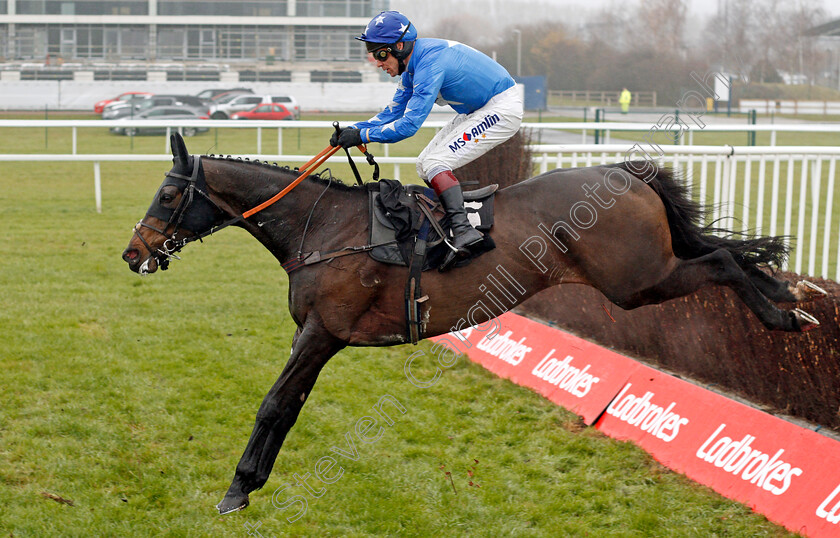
<point>97,187</point>
<point>597,120</point>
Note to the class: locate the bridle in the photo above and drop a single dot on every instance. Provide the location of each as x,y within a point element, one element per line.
<point>202,219</point>
<point>204,213</point>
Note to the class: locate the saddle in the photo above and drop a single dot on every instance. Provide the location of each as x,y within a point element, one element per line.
<point>400,215</point>
<point>408,228</point>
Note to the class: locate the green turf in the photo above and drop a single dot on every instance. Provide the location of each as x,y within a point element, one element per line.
<point>134,398</point>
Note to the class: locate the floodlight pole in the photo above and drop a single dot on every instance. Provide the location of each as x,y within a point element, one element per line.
<point>518,51</point>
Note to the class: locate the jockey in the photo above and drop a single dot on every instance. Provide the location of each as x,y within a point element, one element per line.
<point>447,73</point>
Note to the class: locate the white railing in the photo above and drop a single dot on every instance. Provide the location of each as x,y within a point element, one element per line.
<point>726,179</point>
<point>682,128</point>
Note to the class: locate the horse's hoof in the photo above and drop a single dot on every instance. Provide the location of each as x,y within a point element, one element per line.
<point>233,502</point>
<point>805,320</point>
<point>808,291</point>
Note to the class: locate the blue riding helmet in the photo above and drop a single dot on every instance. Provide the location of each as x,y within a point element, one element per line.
<point>389,28</point>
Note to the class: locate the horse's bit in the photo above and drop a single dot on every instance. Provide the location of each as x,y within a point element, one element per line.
<point>203,219</point>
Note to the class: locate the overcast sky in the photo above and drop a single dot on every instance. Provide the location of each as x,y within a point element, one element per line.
<point>426,13</point>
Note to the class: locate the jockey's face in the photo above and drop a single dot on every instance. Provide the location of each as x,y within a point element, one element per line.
<point>390,65</point>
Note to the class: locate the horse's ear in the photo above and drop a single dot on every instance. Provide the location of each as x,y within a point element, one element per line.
<point>179,149</point>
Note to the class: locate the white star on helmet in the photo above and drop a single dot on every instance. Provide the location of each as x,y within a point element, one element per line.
<point>380,19</point>
<point>403,27</point>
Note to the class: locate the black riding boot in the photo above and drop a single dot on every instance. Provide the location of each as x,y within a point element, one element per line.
<point>449,193</point>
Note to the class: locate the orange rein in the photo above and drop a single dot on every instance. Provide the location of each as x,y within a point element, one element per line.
<point>305,170</point>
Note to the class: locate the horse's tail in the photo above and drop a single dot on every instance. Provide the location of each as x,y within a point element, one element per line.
<point>690,238</point>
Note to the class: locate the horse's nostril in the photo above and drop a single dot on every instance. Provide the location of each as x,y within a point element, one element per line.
<point>130,255</point>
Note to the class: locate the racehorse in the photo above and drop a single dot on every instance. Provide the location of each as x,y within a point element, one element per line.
<point>628,230</point>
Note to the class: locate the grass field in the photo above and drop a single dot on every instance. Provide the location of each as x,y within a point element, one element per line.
<point>134,398</point>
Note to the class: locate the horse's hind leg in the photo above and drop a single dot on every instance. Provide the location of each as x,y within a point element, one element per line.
<point>773,289</point>
<point>311,349</point>
<point>781,291</point>
<point>719,267</point>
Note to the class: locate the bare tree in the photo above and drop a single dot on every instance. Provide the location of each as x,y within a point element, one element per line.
<point>662,24</point>
<point>761,36</point>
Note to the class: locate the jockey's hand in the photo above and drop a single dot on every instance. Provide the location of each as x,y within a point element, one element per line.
<point>334,137</point>
<point>349,138</point>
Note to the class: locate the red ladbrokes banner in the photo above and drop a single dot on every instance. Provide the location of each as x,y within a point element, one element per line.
<point>788,473</point>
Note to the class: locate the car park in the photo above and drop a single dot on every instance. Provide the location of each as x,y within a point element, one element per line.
<point>226,107</point>
<point>186,101</point>
<point>160,113</point>
<point>210,94</point>
<point>266,111</point>
<point>121,98</point>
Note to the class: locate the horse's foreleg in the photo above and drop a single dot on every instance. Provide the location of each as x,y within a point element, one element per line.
<point>718,267</point>
<point>312,347</point>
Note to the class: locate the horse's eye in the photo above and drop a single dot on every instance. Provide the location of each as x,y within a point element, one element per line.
<point>165,198</point>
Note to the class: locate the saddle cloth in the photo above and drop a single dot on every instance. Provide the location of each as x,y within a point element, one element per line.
<point>395,217</point>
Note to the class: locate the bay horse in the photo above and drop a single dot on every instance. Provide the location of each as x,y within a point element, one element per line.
<point>642,244</point>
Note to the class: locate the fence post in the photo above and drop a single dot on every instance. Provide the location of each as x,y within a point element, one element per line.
<point>677,121</point>
<point>597,120</point>
<point>97,187</point>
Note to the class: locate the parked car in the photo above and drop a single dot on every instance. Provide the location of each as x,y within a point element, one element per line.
<point>187,101</point>
<point>220,97</point>
<point>225,107</point>
<point>160,113</point>
<point>290,103</point>
<point>116,105</point>
<point>123,97</point>
<point>268,111</point>
<point>210,94</point>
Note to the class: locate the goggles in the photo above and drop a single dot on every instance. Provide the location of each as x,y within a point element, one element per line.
<point>381,54</point>
<point>379,51</point>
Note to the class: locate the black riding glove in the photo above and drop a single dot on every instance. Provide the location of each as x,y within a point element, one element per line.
<point>349,138</point>
<point>334,137</point>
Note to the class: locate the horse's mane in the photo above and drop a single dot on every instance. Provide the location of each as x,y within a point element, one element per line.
<point>323,177</point>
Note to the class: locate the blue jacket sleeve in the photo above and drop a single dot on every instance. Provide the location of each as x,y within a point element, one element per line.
<point>391,113</point>
<point>416,103</point>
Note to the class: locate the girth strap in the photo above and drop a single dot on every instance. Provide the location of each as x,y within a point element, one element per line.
<point>316,256</point>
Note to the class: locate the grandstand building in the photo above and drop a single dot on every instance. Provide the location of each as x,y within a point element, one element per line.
<point>173,40</point>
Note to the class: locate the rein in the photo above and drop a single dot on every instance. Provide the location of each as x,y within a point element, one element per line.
<point>172,244</point>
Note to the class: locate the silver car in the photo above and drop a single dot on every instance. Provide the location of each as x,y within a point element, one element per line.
<point>128,109</point>
<point>161,113</point>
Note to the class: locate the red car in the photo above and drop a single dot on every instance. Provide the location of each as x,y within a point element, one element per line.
<point>268,111</point>
<point>127,96</point>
